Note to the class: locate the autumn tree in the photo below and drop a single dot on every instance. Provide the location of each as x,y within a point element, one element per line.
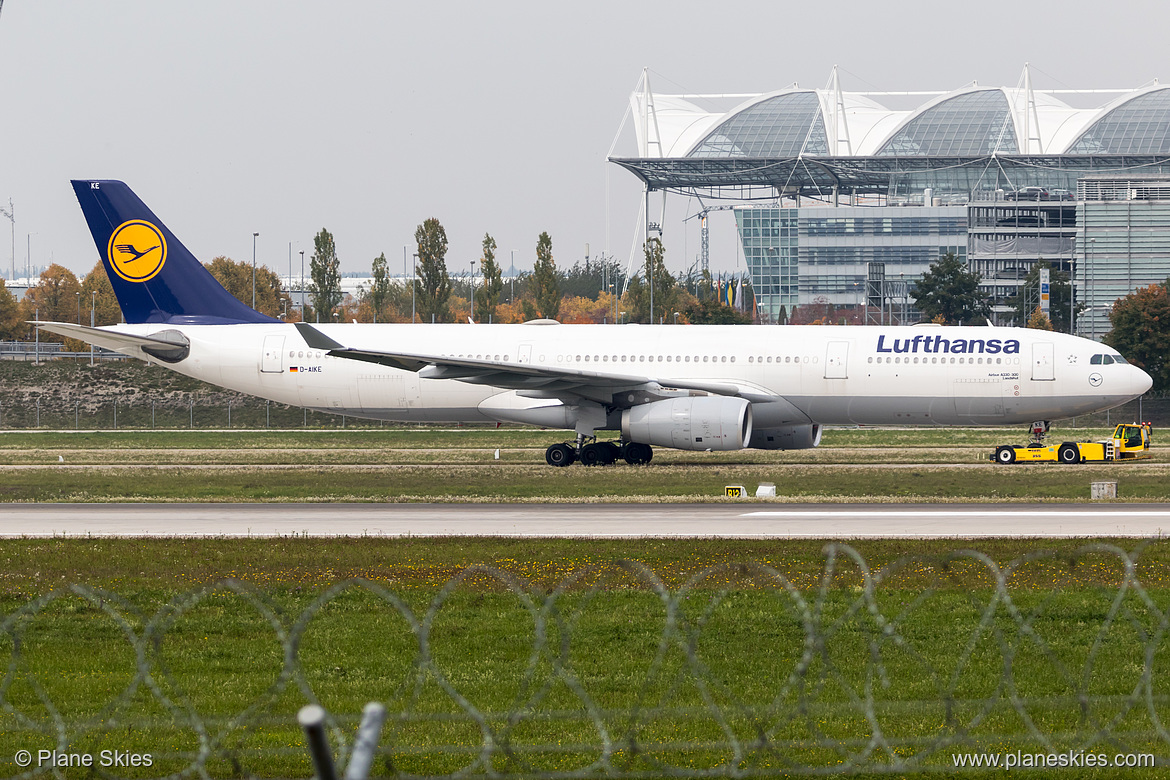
<point>487,298</point>
<point>55,296</point>
<point>950,290</point>
<point>546,287</point>
<point>432,282</point>
<point>1039,320</point>
<point>98,294</point>
<point>324,269</point>
<point>11,324</point>
<point>236,278</point>
<point>380,287</point>
<point>1141,331</point>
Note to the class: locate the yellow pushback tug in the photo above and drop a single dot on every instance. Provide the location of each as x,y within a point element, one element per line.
<point>1131,441</point>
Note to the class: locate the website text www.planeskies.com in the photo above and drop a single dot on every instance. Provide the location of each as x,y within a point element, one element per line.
<point>1069,759</point>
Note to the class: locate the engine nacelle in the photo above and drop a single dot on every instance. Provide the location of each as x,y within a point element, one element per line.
<point>696,423</point>
<point>788,437</point>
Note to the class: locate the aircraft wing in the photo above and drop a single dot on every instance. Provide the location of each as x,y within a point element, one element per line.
<point>532,380</point>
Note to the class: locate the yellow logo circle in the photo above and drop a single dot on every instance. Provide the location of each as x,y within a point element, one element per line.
<point>137,251</point>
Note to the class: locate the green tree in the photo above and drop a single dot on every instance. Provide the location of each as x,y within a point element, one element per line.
<point>11,326</point>
<point>951,291</point>
<point>488,297</point>
<point>98,294</point>
<point>324,269</point>
<point>708,311</point>
<point>546,288</point>
<point>1141,331</point>
<point>432,284</point>
<point>666,289</point>
<point>380,289</point>
<point>1059,292</point>
<point>236,278</point>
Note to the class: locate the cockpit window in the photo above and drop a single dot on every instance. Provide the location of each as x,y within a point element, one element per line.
<point>1105,360</point>
<point>1119,359</point>
<point>1095,360</point>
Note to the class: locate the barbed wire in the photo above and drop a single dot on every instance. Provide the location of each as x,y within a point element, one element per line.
<point>745,673</point>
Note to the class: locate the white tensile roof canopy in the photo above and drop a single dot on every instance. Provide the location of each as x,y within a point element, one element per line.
<point>970,121</point>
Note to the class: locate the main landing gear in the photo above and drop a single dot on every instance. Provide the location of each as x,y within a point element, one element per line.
<point>597,453</point>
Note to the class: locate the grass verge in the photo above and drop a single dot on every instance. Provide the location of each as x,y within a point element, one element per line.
<point>680,660</point>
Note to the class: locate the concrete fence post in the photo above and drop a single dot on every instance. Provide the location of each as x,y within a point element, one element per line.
<point>312,720</point>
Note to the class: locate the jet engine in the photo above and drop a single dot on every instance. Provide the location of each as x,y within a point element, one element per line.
<point>788,437</point>
<point>695,423</point>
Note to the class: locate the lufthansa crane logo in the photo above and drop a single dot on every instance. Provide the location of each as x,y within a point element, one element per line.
<point>137,251</point>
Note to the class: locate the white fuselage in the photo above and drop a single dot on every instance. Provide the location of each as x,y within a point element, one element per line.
<point>921,375</point>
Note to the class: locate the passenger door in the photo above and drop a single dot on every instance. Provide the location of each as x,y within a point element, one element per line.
<point>837,360</point>
<point>1043,367</point>
<point>272,359</point>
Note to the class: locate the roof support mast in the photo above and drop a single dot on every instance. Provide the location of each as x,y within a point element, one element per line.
<point>1031,117</point>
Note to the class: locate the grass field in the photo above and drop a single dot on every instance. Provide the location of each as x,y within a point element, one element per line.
<point>588,657</point>
<point>461,465</point>
<point>679,658</point>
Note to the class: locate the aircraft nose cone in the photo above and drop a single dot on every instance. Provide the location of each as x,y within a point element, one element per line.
<point>1141,382</point>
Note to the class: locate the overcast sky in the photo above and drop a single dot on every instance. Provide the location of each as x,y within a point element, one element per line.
<point>366,118</point>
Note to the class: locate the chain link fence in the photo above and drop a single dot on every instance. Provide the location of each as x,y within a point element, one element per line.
<point>741,671</point>
<point>143,413</point>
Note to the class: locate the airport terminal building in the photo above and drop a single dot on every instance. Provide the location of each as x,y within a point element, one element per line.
<point>848,197</point>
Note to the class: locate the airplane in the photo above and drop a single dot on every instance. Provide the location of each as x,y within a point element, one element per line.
<point>694,387</point>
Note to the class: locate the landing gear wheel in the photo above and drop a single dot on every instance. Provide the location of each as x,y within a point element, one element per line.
<point>636,454</point>
<point>560,455</point>
<point>1005,455</point>
<point>612,452</point>
<point>593,455</point>
<point>1068,453</point>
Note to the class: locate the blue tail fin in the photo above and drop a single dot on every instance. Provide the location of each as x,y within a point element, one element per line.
<point>154,276</point>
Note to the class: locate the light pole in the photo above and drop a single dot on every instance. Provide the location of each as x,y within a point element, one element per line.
<point>473,291</point>
<point>10,212</point>
<point>302,285</point>
<point>79,307</point>
<point>1090,297</point>
<point>512,295</point>
<point>254,236</point>
<point>92,305</point>
<point>676,318</point>
<point>413,286</point>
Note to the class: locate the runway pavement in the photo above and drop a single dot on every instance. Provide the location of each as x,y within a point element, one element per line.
<point>731,520</point>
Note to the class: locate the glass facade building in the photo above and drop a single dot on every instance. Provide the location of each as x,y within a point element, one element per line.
<point>1003,177</point>
<point>821,255</point>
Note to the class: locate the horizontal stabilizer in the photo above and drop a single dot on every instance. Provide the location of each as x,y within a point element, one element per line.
<point>166,346</point>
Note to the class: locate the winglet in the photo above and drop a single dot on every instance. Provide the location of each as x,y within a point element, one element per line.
<point>315,338</point>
